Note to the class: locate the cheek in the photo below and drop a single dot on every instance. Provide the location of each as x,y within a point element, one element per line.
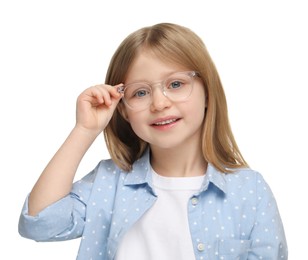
<point>136,120</point>
<point>139,130</point>
<point>195,111</point>
<point>198,112</point>
<point>199,95</point>
<point>198,103</point>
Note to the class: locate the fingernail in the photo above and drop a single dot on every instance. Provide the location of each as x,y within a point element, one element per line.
<point>120,89</point>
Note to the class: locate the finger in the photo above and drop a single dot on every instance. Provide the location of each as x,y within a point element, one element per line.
<point>114,91</point>
<point>103,95</point>
<point>107,93</point>
<point>94,96</point>
<point>117,90</point>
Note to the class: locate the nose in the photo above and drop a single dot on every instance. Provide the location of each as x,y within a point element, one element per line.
<point>159,100</point>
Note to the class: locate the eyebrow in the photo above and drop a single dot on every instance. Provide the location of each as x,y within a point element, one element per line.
<point>157,81</point>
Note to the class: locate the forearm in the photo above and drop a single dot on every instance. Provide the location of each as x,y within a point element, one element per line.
<point>56,180</point>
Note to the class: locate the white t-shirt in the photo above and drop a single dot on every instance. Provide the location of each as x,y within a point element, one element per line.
<point>163,231</point>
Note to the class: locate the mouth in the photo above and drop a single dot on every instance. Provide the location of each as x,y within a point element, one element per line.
<point>165,122</point>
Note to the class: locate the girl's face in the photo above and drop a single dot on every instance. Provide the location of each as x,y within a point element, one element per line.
<point>166,124</point>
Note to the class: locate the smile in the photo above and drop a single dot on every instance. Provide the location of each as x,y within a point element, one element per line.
<point>166,122</point>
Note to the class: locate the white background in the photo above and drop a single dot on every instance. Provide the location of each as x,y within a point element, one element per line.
<point>51,50</point>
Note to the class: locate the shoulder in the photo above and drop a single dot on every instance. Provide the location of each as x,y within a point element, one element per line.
<point>107,171</point>
<point>247,181</point>
<point>244,176</point>
<point>104,173</point>
<point>239,177</point>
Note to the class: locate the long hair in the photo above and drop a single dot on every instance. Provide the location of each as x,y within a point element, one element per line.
<point>180,45</point>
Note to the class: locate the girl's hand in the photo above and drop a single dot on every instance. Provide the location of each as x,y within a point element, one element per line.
<point>95,107</point>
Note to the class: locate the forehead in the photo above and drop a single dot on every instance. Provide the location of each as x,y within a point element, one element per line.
<point>148,66</point>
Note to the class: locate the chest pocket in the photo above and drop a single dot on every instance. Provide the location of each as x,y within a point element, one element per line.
<point>232,249</point>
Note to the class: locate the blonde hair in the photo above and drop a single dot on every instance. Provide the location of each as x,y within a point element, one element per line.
<point>178,44</point>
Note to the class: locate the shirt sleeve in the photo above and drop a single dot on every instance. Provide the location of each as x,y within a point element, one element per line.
<point>62,220</point>
<point>268,237</point>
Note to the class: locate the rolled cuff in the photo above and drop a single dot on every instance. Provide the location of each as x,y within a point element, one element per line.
<point>54,223</point>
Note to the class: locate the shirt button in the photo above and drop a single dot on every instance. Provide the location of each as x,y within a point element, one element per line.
<point>194,201</point>
<point>200,247</point>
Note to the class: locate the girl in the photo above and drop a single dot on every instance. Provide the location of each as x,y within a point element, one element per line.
<point>176,186</point>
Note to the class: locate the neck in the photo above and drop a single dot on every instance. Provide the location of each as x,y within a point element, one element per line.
<point>178,162</point>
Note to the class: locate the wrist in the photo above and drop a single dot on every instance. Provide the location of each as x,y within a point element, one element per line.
<point>84,132</point>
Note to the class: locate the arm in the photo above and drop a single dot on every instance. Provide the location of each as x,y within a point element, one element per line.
<point>268,237</point>
<point>95,107</point>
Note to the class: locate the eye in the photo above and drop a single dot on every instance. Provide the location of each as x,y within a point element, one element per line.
<point>141,93</point>
<point>177,81</point>
<point>175,84</point>
<point>137,91</point>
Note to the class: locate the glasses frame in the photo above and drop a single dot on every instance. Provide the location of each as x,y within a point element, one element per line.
<point>191,74</point>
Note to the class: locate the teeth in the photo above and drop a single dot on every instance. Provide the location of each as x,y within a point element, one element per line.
<point>165,122</point>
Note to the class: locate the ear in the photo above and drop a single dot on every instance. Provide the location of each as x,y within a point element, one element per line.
<point>122,110</point>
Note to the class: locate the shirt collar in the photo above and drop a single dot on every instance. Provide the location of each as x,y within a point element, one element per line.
<point>141,174</point>
<point>215,177</point>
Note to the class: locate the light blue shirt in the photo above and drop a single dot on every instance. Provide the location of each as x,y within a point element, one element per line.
<point>232,216</point>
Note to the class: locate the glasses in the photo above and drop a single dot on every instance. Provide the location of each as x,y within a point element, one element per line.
<point>177,87</point>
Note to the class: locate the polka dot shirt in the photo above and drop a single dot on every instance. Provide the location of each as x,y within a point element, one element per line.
<point>232,216</point>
